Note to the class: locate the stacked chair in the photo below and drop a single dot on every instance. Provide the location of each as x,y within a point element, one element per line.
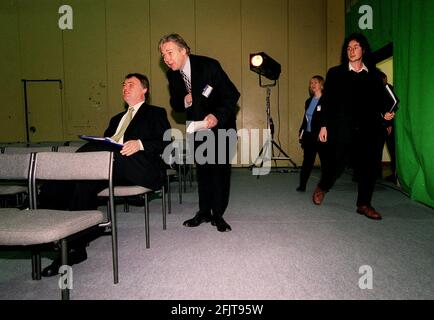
<point>18,188</point>
<point>35,227</point>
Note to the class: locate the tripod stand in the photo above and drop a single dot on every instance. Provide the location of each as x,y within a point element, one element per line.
<point>272,143</point>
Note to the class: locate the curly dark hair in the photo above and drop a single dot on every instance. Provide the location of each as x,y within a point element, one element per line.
<point>368,58</point>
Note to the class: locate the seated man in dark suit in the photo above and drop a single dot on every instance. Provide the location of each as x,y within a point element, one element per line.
<point>138,162</point>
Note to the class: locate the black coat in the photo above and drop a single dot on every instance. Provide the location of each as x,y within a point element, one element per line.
<point>315,125</point>
<point>348,106</point>
<point>222,100</point>
<point>145,167</point>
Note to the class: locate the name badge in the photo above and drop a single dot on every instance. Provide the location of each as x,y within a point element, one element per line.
<point>207,91</point>
<point>318,108</point>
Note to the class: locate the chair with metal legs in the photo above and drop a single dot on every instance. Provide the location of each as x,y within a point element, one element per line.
<point>142,193</point>
<point>35,227</point>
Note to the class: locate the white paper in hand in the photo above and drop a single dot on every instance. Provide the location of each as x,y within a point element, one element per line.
<point>194,126</point>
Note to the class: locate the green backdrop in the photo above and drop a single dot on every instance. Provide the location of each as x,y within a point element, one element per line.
<point>409,24</point>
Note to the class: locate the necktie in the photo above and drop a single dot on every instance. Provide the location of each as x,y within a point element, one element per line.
<point>186,81</point>
<point>125,124</point>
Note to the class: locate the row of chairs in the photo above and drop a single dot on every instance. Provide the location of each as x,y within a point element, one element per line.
<point>23,149</point>
<point>35,227</point>
<point>53,144</point>
<point>120,192</point>
<point>17,164</point>
<point>18,191</point>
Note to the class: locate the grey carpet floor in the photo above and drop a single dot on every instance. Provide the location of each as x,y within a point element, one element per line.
<point>281,247</point>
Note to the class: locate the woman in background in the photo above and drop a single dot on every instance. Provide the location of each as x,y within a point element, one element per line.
<point>309,130</point>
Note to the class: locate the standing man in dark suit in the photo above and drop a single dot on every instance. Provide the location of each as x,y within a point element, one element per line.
<point>199,86</point>
<point>354,105</point>
<point>138,162</point>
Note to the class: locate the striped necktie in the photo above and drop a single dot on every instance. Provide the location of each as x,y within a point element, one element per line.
<point>186,81</point>
<point>125,124</point>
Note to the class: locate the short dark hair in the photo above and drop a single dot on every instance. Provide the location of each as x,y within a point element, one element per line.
<point>174,37</point>
<point>367,53</point>
<point>143,80</point>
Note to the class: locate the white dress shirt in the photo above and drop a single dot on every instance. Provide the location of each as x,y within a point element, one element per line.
<point>186,69</point>
<point>351,68</point>
<point>135,109</point>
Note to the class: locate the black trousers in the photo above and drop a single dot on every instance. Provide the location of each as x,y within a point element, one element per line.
<point>214,177</point>
<point>365,152</point>
<point>311,147</point>
<point>213,187</point>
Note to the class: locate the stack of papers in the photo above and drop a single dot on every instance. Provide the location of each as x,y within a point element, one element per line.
<point>101,139</point>
<point>393,100</point>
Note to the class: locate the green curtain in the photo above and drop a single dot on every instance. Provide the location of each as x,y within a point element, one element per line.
<point>409,24</point>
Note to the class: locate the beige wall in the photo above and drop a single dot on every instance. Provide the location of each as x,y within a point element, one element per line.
<point>113,37</point>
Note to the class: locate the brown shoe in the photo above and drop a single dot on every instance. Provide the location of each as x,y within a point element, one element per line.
<point>369,212</point>
<point>318,196</point>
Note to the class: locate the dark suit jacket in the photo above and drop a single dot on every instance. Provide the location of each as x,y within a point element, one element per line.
<point>352,102</point>
<point>315,125</point>
<point>148,125</point>
<point>222,100</point>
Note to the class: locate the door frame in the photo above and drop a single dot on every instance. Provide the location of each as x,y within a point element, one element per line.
<point>26,107</point>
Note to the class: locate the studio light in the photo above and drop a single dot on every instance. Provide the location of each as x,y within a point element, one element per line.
<point>265,66</point>
<point>269,68</point>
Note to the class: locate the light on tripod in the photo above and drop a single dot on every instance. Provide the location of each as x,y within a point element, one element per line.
<point>256,60</point>
<point>264,65</point>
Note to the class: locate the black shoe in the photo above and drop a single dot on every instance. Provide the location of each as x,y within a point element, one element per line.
<point>221,224</point>
<point>74,256</point>
<point>198,219</point>
<point>52,269</point>
<point>77,255</point>
<point>301,189</point>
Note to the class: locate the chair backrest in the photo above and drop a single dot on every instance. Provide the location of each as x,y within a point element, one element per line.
<point>74,166</point>
<point>15,166</point>
<point>70,149</point>
<point>53,144</point>
<point>20,150</point>
<point>71,166</point>
<point>75,143</point>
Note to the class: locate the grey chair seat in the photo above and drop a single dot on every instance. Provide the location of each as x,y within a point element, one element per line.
<point>124,191</point>
<point>140,191</point>
<point>29,227</point>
